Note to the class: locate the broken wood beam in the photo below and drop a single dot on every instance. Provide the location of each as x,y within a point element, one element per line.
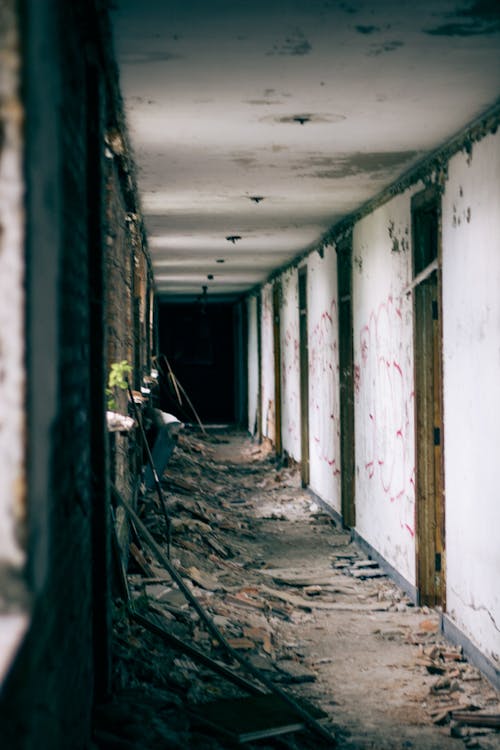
<point>476,719</point>
<point>308,720</point>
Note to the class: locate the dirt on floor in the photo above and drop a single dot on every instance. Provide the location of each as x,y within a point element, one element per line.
<point>297,602</point>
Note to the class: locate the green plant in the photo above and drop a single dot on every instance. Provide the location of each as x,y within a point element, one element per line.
<point>117,380</point>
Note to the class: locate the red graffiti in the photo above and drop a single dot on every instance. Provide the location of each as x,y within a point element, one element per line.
<point>383,382</point>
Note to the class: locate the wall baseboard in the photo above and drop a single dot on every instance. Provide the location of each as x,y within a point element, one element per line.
<point>409,589</point>
<point>449,629</point>
<point>452,632</point>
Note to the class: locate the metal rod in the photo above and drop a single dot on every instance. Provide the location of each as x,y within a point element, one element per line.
<point>422,276</point>
<point>309,720</point>
<point>185,395</point>
<point>195,653</point>
<point>159,490</point>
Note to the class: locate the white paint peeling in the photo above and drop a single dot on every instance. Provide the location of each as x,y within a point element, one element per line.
<point>384,391</point>
<point>324,407</point>
<point>267,373</point>
<point>471,362</point>
<point>290,367</point>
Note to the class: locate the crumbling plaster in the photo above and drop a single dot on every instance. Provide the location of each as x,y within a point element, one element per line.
<point>324,406</point>
<point>471,364</point>
<point>290,367</point>
<point>383,380</point>
<point>268,406</point>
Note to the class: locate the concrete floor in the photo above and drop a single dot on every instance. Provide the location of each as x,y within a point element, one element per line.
<point>278,577</point>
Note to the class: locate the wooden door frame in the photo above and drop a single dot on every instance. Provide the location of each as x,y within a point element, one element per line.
<point>304,376</point>
<point>429,464</point>
<point>259,366</point>
<point>346,380</point>
<point>278,438</point>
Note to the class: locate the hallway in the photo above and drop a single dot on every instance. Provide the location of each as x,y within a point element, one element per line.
<point>282,216</point>
<point>293,594</point>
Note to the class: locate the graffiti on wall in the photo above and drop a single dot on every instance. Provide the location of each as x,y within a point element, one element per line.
<point>323,385</point>
<point>290,379</point>
<point>383,382</point>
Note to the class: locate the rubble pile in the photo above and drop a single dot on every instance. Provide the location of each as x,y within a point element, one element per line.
<point>240,538</point>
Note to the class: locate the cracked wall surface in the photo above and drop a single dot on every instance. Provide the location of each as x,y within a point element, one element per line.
<point>471,361</point>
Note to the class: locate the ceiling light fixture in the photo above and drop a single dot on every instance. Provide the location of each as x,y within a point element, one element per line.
<point>210,276</point>
<point>233,238</point>
<point>302,119</point>
<point>220,260</point>
<point>256,198</point>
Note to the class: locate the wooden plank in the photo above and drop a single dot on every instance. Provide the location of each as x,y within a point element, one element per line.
<point>249,719</point>
<point>304,377</point>
<point>475,719</point>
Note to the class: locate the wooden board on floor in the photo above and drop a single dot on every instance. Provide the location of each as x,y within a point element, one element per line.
<point>252,718</point>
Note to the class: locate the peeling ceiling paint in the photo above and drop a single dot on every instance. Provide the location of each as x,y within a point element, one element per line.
<point>313,105</point>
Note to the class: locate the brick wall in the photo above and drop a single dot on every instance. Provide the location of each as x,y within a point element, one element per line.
<point>80,316</point>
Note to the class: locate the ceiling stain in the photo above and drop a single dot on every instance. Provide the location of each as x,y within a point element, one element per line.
<point>348,8</point>
<point>375,164</point>
<point>380,49</point>
<point>478,17</point>
<point>244,158</point>
<point>366,29</point>
<point>295,44</point>
<point>138,58</point>
<point>303,117</point>
<point>261,102</point>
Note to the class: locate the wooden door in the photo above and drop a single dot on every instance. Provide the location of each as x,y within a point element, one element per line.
<point>430,528</point>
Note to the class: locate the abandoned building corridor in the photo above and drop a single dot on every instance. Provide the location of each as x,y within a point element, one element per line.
<point>250,367</point>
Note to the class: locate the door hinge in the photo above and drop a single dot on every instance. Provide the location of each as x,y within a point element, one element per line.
<point>437,436</point>
<point>437,562</point>
<point>435,310</point>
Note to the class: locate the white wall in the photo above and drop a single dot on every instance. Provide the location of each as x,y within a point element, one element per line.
<point>290,367</point>
<point>267,364</point>
<point>471,362</point>
<point>252,364</point>
<point>384,397</point>
<point>13,615</point>
<point>324,409</point>
<point>12,374</point>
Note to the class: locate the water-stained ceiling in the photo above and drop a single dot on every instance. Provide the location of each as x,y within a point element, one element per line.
<point>256,126</point>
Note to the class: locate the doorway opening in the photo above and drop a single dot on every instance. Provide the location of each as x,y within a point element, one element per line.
<point>304,377</point>
<point>198,339</point>
<point>430,528</point>
<point>346,381</point>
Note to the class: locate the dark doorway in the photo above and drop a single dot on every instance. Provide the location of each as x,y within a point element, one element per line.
<point>198,340</point>
<point>346,375</point>
<point>304,377</point>
<point>428,399</point>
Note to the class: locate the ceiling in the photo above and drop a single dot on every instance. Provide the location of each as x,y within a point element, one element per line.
<point>270,121</point>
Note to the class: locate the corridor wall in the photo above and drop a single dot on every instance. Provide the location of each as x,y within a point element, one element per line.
<point>471,354</point>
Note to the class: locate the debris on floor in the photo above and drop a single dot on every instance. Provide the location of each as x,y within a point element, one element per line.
<point>318,647</point>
